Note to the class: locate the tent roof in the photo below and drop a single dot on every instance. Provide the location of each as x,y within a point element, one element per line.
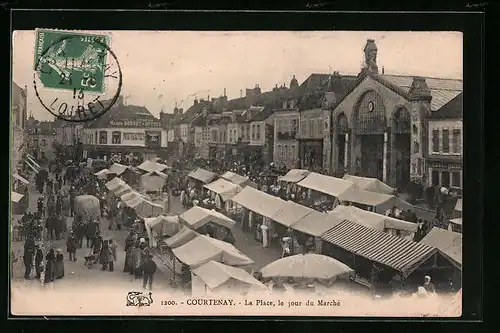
<point>117,169</point>
<point>401,254</point>
<point>203,249</point>
<point>325,184</point>
<point>149,166</point>
<point>258,202</point>
<point>145,208</point>
<point>291,212</point>
<point>458,221</point>
<point>316,223</point>
<point>234,178</point>
<point>215,274</point>
<point>224,188</point>
<point>122,189</point>
<point>448,242</point>
<point>382,202</point>
<point>182,237</point>
<point>101,172</point>
<point>21,179</point>
<point>372,220</point>
<point>370,184</point>
<point>458,206</point>
<point>155,173</point>
<point>295,175</point>
<point>113,183</point>
<point>202,175</point>
<point>15,197</point>
<point>197,217</point>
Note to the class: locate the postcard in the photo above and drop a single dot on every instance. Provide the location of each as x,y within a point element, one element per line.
<point>242,173</point>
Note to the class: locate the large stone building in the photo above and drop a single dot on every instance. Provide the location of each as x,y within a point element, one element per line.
<point>379,126</point>
<point>123,130</point>
<point>41,139</point>
<point>18,121</point>
<point>444,154</point>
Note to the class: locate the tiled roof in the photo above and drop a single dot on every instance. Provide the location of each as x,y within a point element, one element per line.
<point>238,104</point>
<point>194,110</point>
<point>442,90</point>
<point>398,253</point>
<point>263,115</point>
<point>320,86</point>
<point>120,112</point>
<point>451,110</point>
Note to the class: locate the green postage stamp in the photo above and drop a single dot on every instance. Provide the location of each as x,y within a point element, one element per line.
<point>74,61</point>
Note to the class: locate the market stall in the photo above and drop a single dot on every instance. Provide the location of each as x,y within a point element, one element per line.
<point>117,169</point>
<point>370,184</point>
<point>225,190</point>
<point>455,225</point>
<point>294,176</point>
<point>214,278</point>
<point>145,208</point>
<point>201,176</point>
<point>285,217</point>
<point>151,166</point>
<point>375,221</point>
<point>324,189</point>
<point>161,226</point>
<point>103,174</point>
<point>122,189</point>
<point>207,221</point>
<point>114,184</point>
<point>374,202</point>
<point>19,203</point>
<point>203,249</point>
<point>153,181</point>
<point>238,179</point>
<point>449,245</point>
<point>380,257</point>
<point>259,208</point>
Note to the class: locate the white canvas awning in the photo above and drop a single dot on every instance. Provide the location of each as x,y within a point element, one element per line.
<point>447,242</point>
<point>101,173</point>
<point>21,179</point>
<point>197,216</point>
<point>381,202</point>
<point>325,184</point>
<point>370,184</point>
<point>290,213</point>
<point>458,206</point>
<point>203,249</point>
<point>150,166</point>
<point>371,220</point>
<point>117,169</point>
<point>295,175</point>
<point>15,197</point>
<point>258,202</point>
<point>202,175</point>
<point>224,188</point>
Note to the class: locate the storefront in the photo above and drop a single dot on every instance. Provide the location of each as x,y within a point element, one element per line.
<point>445,173</point>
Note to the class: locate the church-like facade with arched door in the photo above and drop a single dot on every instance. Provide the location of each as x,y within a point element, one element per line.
<point>378,128</point>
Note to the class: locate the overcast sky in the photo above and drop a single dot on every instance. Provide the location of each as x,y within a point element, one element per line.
<point>161,68</point>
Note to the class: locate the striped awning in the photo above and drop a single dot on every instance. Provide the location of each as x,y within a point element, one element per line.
<point>401,254</point>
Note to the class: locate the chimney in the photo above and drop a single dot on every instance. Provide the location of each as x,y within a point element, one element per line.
<point>224,92</point>
<point>383,70</point>
<point>195,101</point>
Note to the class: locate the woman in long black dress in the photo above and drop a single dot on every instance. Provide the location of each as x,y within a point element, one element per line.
<point>50,266</point>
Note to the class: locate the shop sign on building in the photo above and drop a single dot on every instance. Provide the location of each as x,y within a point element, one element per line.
<point>144,123</point>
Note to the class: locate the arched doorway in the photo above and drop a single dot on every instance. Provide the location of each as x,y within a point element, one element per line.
<point>401,148</point>
<point>341,129</point>
<point>368,129</point>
